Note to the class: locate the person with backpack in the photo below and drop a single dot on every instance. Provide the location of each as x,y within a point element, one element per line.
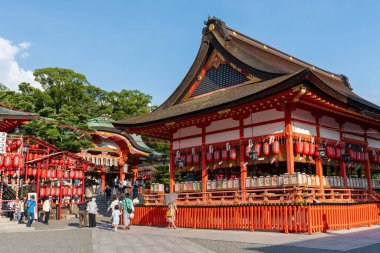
<point>128,209</point>
<point>30,206</point>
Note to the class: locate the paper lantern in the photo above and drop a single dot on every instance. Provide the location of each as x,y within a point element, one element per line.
<point>276,147</point>
<point>311,149</point>
<point>59,173</point>
<point>224,155</point>
<point>299,147</point>
<point>8,161</point>
<point>80,174</point>
<point>53,173</point>
<point>43,173</point>
<point>79,191</point>
<point>209,157</point>
<point>48,191</point>
<point>64,191</point>
<point>16,161</point>
<point>306,148</point>
<point>52,191</point>
<point>30,156</point>
<point>42,192</point>
<point>66,174</point>
<point>57,191</point>
<point>72,174</point>
<point>196,158</point>
<point>248,150</point>
<point>29,171</point>
<point>266,148</point>
<point>338,152</point>
<point>69,191</point>
<point>216,155</point>
<point>75,191</point>
<point>257,148</point>
<point>232,154</point>
<point>189,159</point>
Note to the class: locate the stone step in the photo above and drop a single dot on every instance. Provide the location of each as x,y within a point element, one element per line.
<point>24,229</point>
<point>12,226</point>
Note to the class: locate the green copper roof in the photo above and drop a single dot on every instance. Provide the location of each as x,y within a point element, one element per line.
<point>102,121</point>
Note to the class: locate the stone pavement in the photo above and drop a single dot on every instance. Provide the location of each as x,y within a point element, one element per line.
<point>64,236</point>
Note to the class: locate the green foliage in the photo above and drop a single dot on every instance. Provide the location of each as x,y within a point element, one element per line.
<point>162,175</point>
<point>68,98</point>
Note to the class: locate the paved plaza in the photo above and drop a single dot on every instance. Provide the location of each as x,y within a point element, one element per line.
<point>64,236</point>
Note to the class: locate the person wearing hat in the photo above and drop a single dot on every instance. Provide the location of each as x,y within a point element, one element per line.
<point>30,206</point>
<point>46,208</point>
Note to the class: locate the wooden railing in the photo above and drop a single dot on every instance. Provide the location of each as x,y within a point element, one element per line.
<point>281,217</point>
<point>269,195</point>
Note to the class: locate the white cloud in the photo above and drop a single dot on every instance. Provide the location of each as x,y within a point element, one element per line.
<point>11,74</point>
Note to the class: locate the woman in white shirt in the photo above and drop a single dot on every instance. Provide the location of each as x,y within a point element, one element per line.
<point>92,209</point>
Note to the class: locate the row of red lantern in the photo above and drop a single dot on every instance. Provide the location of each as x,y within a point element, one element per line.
<point>264,149</point>
<point>13,145</point>
<point>55,191</point>
<point>221,155</point>
<point>11,160</point>
<point>306,148</point>
<point>375,157</point>
<point>33,156</point>
<point>52,173</point>
<point>357,156</point>
<point>33,146</point>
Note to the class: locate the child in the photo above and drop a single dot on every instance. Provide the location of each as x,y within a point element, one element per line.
<point>170,215</point>
<point>115,217</point>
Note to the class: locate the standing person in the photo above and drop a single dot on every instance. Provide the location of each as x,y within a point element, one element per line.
<point>82,214</point>
<point>92,209</point>
<point>114,203</point>
<point>135,190</point>
<point>30,206</point>
<point>128,209</point>
<point>99,189</point>
<point>46,208</point>
<point>11,209</point>
<point>170,214</point>
<point>20,210</point>
<point>108,192</point>
<point>115,217</point>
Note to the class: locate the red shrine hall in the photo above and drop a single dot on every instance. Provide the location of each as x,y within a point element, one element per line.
<point>255,122</point>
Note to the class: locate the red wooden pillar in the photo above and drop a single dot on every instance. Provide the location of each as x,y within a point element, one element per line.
<point>318,160</point>
<point>289,142</point>
<point>103,177</point>
<point>171,165</point>
<point>368,166</point>
<point>204,162</point>
<point>243,167</point>
<point>121,174</point>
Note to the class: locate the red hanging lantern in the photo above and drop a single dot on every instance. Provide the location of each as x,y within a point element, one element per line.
<point>72,174</point>
<point>30,156</point>
<point>299,147</point>
<point>16,161</point>
<point>9,142</point>
<point>306,148</point>
<point>48,192</point>
<point>233,154</point>
<point>69,191</point>
<point>79,191</point>
<point>366,156</point>
<point>311,149</point>
<point>64,191</point>
<point>66,162</point>
<point>257,148</point>
<point>224,155</point>
<point>66,174</point>
<point>351,154</point>
<point>216,155</point>
<point>75,191</point>
<point>57,191</point>
<point>44,173</point>
<point>29,171</point>
<point>266,148</point>
<point>42,192</point>
<point>189,159</point>
<point>34,172</point>
<point>196,158</point>
<point>276,147</point>
<point>80,174</point>
<point>52,191</point>
<point>53,173</point>
<point>316,150</point>
<point>14,146</point>
<point>59,173</point>
<point>8,161</point>
<point>18,142</point>
<point>354,155</point>
<point>209,157</point>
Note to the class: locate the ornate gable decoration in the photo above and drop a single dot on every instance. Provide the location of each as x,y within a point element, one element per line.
<point>217,74</point>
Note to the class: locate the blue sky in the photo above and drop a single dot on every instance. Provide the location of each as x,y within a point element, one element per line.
<point>150,45</point>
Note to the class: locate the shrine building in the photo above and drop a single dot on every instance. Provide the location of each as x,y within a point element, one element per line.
<point>248,117</point>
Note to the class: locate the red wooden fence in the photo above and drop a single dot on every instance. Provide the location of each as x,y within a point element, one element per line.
<point>285,218</point>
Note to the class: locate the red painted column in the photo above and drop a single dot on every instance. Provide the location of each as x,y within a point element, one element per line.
<point>204,163</point>
<point>368,166</point>
<point>171,165</point>
<point>243,168</point>
<point>289,142</point>
<point>103,177</point>
<point>318,161</point>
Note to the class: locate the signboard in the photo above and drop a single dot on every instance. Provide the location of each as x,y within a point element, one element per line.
<point>3,142</point>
